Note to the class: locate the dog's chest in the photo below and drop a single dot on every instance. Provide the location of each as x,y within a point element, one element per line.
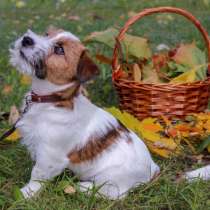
<point>59,129</point>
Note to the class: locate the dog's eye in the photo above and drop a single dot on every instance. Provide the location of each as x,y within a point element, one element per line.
<point>58,49</point>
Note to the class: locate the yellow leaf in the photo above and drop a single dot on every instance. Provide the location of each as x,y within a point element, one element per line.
<point>125,118</point>
<point>161,152</point>
<point>14,136</point>
<point>189,76</point>
<point>25,80</point>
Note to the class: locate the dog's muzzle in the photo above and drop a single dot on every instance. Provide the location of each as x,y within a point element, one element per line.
<point>38,65</point>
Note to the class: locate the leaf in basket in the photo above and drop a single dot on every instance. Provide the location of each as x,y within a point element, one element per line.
<point>136,73</point>
<point>193,75</point>
<point>191,56</point>
<point>106,37</point>
<point>137,46</point>
<point>103,59</point>
<point>150,75</point>
<point>134,45</point>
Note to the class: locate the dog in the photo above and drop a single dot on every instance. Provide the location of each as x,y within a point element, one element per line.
<point>62,129</point>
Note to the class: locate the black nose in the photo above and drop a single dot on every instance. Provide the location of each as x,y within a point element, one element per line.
<point>27,41</point>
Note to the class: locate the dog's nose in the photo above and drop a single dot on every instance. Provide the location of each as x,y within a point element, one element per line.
<point>27,41</point>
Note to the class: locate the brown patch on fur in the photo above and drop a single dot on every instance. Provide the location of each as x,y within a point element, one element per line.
<point>97,144</point>
<point>68,96</point>
<point>62,68</point>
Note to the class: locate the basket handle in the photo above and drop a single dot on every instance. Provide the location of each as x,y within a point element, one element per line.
<point>146,12</point>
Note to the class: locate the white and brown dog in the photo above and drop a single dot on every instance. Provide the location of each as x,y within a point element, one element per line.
<point>63,129</point>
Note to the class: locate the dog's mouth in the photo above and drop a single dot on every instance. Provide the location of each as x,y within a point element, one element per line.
<point>37,65</point>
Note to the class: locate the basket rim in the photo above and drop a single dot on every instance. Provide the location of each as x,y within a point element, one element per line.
<point>189,85</point>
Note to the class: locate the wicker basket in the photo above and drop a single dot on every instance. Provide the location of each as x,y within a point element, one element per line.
<point>153,100</point>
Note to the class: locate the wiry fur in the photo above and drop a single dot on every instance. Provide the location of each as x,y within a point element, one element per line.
<point>52,133</point>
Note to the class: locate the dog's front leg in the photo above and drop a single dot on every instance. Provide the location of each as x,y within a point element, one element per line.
<point>45,168</point>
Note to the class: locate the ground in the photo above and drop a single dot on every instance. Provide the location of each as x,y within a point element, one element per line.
<point>91,15</point>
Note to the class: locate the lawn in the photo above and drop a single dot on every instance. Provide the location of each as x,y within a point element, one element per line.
<point>93,15</point>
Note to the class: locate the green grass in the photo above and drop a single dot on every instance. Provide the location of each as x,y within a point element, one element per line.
<point>15,165</point>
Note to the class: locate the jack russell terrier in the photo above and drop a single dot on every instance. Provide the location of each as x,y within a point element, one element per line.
<point>62,129</point>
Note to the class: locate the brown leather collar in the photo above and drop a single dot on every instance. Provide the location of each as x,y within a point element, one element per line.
<point>59,96</point>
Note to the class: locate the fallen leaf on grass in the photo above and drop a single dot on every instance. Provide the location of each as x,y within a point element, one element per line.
<point>14,136</point>
<point>69,190</point>
<point>7,89</point>
<point>14,115</point>
<point>73,17</point>
<point>25,80</point>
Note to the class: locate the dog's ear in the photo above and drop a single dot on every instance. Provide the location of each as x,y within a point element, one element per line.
<point>86,69</point>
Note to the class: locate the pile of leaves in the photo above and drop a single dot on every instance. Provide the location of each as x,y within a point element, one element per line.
<point>166,137</point>
<point>183,64</point>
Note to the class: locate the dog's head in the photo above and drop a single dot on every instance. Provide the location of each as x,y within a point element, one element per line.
<point>58,57</point>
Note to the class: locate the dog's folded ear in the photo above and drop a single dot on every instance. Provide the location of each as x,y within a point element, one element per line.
<point>86,69</point>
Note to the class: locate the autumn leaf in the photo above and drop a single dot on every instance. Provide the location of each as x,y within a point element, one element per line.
<point>14,136</point>
<point>14,115</point>
<point>136,72</point>
<point>191,56</point>
<point>69,189</point>
<point>150,75</point>
<point>25,80</point>
<point>7,89</point>
<point>134,45</point>
<point>190,76</point>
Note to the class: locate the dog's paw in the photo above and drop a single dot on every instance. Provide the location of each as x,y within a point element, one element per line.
<point>31,189</point>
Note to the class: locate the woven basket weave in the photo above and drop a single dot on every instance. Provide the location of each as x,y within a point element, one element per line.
<point>153,100</point>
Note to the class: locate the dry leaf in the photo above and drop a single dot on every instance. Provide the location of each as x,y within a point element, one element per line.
<point>25,80</point>
<point>7,89</point>
<point>14,115</point>
<point>136,73</point>
<point>150,75</point>
<point>69,190</point>
<point>73,17</point>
